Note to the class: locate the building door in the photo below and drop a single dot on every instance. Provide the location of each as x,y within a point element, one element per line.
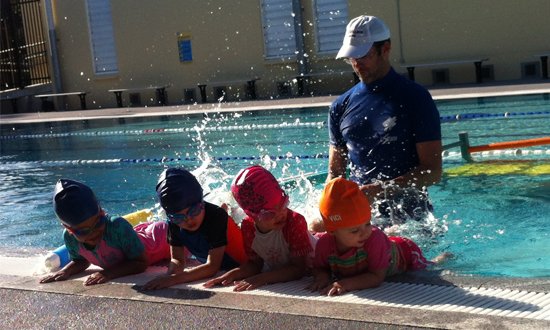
<point>23,45</point>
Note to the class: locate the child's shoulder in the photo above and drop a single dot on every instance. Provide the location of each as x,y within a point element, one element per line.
<point>295,218</point>
<point>214,211</point>
<point>118,224</point>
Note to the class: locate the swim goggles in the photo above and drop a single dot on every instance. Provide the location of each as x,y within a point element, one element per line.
<point>264,215</point>
<point>86,230</point>
<point>193,211</point>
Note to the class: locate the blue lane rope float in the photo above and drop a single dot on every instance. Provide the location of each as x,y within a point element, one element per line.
<point>320,124</point>
<point>158,160</point>
<point>467,116</point>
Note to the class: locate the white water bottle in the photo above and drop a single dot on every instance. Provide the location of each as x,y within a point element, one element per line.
<point>57,258</point>
<point>52,261</point>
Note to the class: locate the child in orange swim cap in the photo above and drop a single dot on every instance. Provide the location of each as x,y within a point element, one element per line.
<point>275,238</point>
<point>356,253</point>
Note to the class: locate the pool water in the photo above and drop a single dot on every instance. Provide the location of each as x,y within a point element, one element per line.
<point>496,225</point>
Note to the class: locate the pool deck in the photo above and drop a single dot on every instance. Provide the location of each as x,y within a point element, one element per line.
<point>469,91</point>
<point>434,299</point>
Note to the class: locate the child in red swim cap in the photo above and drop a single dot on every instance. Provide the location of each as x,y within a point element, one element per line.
<point>356,253</point>
<point>276,239</point>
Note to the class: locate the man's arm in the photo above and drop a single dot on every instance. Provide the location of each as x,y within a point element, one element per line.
<point>337,162</point>
<point>426,173</point>
<point>429,169</point>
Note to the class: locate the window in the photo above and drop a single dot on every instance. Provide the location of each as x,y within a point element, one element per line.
<point>100,22</point>
<point>278,27</point>
<point>331,19</point>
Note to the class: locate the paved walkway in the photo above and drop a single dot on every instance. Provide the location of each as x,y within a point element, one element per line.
<point>420,300</point>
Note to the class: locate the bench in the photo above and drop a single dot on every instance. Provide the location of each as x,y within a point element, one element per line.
<point>302,80</point>
<point>477,63</point>
<point>250,87</point>
<point>543,64</point>
<point>160,93</point>
<point>44,97</point>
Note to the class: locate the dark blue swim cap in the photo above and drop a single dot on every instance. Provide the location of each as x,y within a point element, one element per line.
<point>74,202</point>
<point>178,189</point>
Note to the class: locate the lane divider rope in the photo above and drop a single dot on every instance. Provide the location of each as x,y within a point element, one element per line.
<point>320,124</point>
<point>168,130</point>
<point>446,154</point>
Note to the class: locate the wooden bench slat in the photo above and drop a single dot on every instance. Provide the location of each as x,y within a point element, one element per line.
<point>442,63</point>
<point>60,94</point>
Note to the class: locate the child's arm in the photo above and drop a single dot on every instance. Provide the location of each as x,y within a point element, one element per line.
<point>177,260</point>
<point>127,267</point>
<point>294,270</point>
<point>358,282</point>
<point>72,268</point>
<point>176,266</point>
<point>321,278</point>
<point>250,268</point>
<point>208,269</point>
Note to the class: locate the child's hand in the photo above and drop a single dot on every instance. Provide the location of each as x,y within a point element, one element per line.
<point>96,278</point>
<point>159,282</point>
<point>318,284</point>
<point>58,276</point>
<point>250,283</point>
<point>321,278</point>
<point>225,279</point>
<point>333,289</point>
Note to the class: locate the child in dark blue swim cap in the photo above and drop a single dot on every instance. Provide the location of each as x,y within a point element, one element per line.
<point>92,237</point>
<point>205,229</point>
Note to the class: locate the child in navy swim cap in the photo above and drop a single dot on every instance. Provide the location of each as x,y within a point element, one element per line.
<point>205,229</point>
<point>92,237</point>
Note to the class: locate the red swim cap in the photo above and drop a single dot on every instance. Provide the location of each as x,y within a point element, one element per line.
<point>256,189</point>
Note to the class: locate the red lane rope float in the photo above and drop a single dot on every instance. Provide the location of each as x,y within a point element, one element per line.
<point>510,144</point>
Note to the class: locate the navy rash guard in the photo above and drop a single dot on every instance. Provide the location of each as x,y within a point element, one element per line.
<point>380,123</point>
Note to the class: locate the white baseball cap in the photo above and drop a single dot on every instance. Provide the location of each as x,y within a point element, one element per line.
<point>361,33</point>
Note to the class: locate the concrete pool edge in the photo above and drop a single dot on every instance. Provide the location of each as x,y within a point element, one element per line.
<point>284,307</point>
<point>127,289</point>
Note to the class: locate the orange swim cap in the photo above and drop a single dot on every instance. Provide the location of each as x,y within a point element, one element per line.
<point>343,205</point>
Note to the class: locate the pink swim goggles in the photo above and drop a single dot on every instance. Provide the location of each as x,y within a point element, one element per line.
<point>268,214</point>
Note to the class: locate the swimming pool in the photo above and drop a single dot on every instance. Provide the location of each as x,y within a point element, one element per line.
<point>494,224</point>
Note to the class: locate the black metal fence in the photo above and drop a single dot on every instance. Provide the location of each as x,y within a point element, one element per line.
<point>23,45</point>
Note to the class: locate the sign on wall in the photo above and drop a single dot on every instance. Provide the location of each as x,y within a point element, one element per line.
<point>184,48</point>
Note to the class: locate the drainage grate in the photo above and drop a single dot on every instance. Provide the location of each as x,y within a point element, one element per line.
<point>482,301</point>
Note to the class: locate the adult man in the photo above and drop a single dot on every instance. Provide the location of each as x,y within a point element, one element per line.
<point>386,126</point>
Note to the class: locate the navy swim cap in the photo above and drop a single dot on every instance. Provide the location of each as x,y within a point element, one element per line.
<point>74,202</point>
<point>178,189</point>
